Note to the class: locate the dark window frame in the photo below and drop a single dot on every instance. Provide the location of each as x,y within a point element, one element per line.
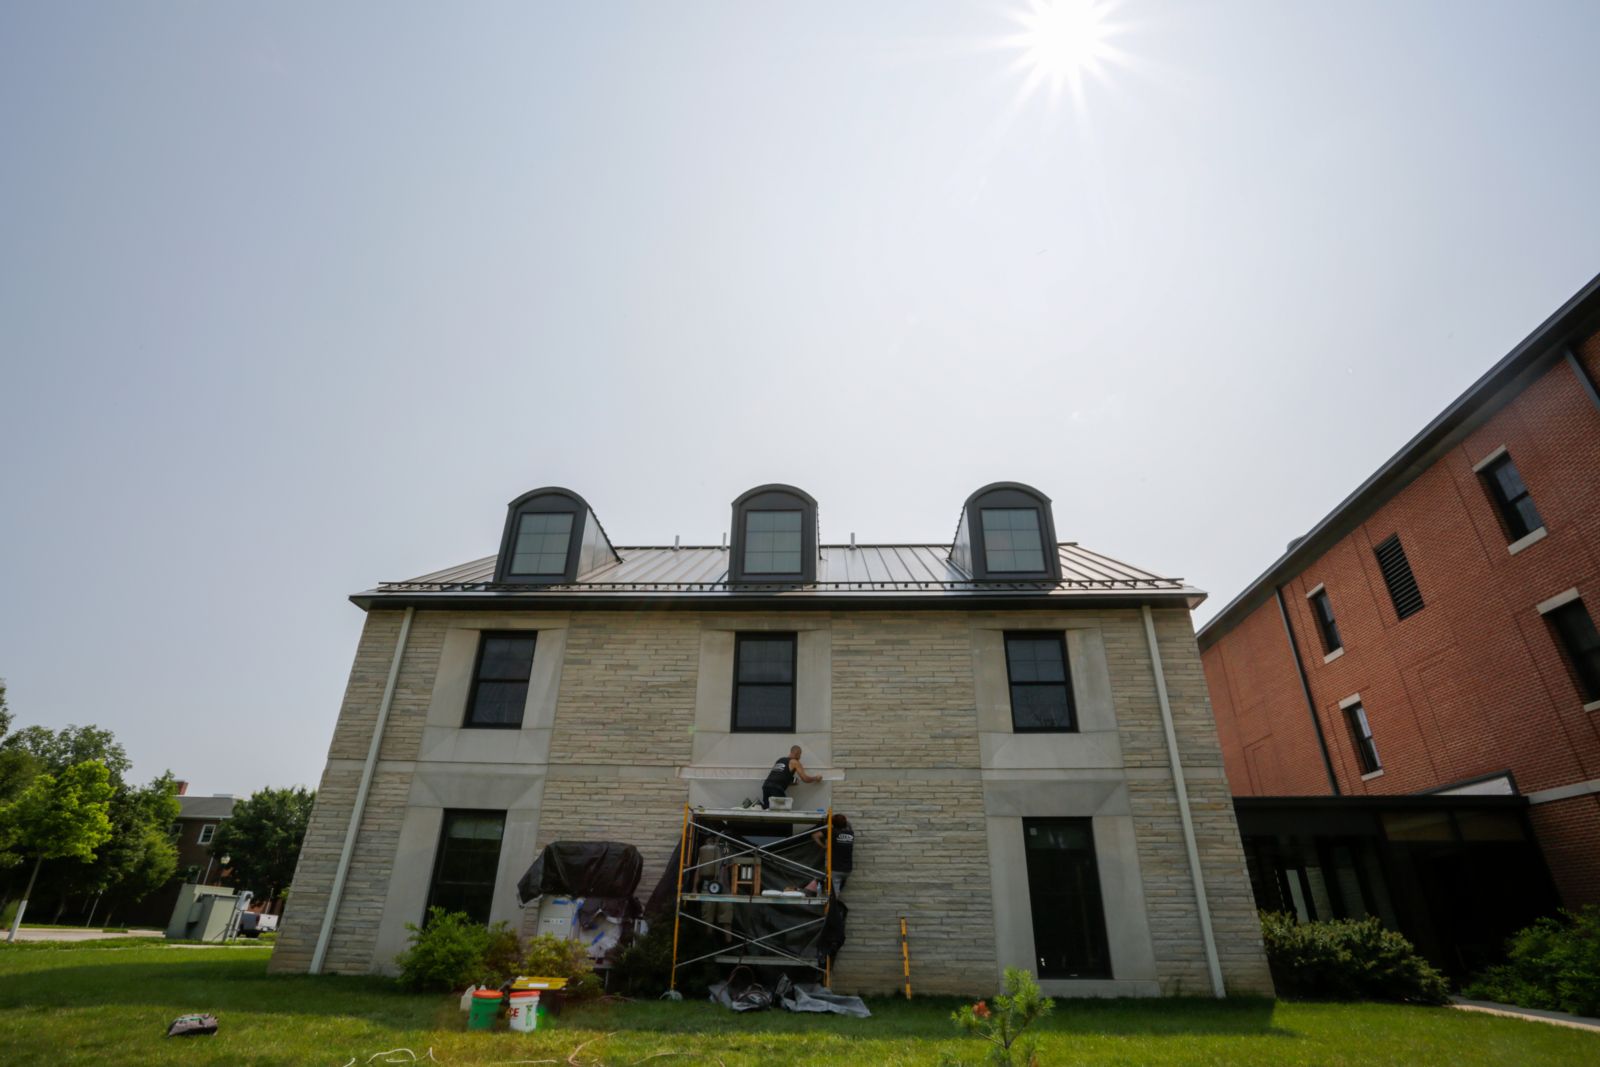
<point>439,856</point>
<point>586,533</point>
<point>1065,683</point>
<point>1513,523</point>
<point>1038,520</point>
<point>1583,663</point>
<point>1327,622</point>
<point>484,636</point>
<point>1405,596</point>
<point>774,497</point>
<point>1361,737</point>
<point>969,550</point>
<point>800,551</point>
<point>516,535</point>
<point>793,685</point>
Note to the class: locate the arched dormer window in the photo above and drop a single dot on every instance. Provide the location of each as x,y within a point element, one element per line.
<point>774,536</point>
<point>551,537</point>
<point>1007,533</point>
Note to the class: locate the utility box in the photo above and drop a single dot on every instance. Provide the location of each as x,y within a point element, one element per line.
<point>202,913</point>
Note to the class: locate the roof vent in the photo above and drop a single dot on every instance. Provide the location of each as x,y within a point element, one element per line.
<point>852,539</point>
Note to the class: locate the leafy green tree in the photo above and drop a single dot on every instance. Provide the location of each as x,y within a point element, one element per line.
<point>56,750</point>
<point>262,840</point>
<point>138,859</point>
<point>17,765</point>
<point>58,816</point>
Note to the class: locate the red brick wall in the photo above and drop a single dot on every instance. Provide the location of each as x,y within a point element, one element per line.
<point>1473,684</point>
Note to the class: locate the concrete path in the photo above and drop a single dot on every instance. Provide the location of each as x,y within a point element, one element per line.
<point>28,933</point>
<point>1533,1015</point>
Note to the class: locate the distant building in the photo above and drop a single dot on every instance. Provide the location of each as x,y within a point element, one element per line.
<point>199,819</point>
<point>999,715</point>
<point>1436,632</point>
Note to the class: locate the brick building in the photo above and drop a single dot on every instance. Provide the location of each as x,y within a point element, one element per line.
<point>1435,632</point>
<point>990,713</point>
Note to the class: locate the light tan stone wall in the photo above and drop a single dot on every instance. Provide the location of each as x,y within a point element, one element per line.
<point>905,732</point>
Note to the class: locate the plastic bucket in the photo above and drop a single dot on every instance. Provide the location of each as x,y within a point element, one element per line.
<point>485,1007</point>
<point>525,1011</point>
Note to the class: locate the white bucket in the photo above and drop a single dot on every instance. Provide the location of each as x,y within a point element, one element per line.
<point>525,1010</point>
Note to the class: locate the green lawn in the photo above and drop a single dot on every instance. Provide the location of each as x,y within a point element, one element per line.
<point>91,1004</point>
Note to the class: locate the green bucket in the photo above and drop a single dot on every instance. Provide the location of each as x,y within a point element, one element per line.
<point>485,1009</point>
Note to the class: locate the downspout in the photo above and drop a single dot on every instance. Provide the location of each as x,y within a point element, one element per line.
<point>1305,687</point>
<point>1201,905</point>
<point>326,933</point>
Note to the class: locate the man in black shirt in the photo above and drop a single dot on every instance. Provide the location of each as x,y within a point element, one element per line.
<point>786,770</point>
<point>844,848</point>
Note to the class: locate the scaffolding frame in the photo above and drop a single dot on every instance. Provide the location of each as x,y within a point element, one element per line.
<point>695,830</point>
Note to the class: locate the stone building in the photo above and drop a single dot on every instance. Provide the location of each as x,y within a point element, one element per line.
<point>999,712</point>
<point>1435,633</point>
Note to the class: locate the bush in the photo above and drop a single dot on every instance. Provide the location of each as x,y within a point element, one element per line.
<point>1347,959</point>
<point>452,951</point>
<point>1002,1026</point>
<point>644,968</point>
<point>1553,964</point>
<point>548,956</point>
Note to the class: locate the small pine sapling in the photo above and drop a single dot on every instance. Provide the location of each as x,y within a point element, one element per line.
<point>1002,1025</point>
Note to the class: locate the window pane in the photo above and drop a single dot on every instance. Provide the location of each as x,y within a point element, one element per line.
<point>1012,543</point>
<point>1035,659</point>
<point>763,707</point>
<point>772,543</point>
<point>766,660</point>
<point>1508,480</point>
<point>1040,707</point>
<point>542,542</point>
<point>1527,516</point>
<point>506,658</point>
<point>499,703</point>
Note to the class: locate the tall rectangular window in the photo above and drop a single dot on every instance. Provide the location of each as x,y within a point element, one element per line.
<point>772,542</point>
<point>1327,626</point>
<point>542,542</point>
<point>1012,543</point>
<point>500,681</point>
<point>1361,737</point>
<point>465,865</point>
<point>207,832</point>
<point>1511,497</point>
<point>1069,919</point>
<point>1403,591</point>
<point>1041,685</point>
<point>763,682</point>
<point>1581,644</point>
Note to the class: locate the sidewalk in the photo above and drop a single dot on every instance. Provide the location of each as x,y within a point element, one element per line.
<point>28,933</point>
<point>1533,1015</point>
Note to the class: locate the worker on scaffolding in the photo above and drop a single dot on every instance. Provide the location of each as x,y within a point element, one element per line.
<point>786,770</point>
<point>844,847</point>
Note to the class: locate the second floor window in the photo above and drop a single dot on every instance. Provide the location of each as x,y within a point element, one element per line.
<point>1581,645</point>
<point>763,682</point>
<point>207,832</point>
<point>1511,498</point>
<point>1327,626</point>
<point>500,683</point>
<point>1361,736</point>
<point>1041,687</point>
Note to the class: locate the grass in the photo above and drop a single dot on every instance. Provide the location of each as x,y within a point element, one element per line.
<point>110,1003</point>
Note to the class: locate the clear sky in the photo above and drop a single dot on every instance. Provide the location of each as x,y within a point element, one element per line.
<point>295,297</point>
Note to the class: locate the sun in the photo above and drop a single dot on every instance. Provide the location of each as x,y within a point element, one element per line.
<point>1062,42</point>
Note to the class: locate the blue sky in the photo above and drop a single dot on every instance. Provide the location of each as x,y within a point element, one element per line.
<point>294,298</point>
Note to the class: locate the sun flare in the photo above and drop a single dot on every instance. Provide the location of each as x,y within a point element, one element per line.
<point>1062,42</point>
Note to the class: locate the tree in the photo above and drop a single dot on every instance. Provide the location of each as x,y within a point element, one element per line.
<point>58,816</point>
<point>138,859</point>
<point>56,750</point>
<point>262,840</point>
<point>17,765</point>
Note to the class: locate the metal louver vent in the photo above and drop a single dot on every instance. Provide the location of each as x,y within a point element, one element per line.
<point>1398,577</point>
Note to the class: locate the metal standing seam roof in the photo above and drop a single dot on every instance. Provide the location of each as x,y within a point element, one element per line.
<point>861,572</point>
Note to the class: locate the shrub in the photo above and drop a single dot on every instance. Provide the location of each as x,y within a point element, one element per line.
<point>1553,964</point>
<point>1347,959</point>
<point>548,956</point>
<point>1003,1025</point>
<point>644,968</point>
<point>452,951</point>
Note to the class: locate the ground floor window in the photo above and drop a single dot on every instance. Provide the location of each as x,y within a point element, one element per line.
<point>1069,919</point>
<point>465,866</point>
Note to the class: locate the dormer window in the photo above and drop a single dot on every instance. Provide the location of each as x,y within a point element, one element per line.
<point>1012,542</point>
<point>551,537</point>
<point>1007,533</point>
<point>542,544</point>
<point>774,536</point>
